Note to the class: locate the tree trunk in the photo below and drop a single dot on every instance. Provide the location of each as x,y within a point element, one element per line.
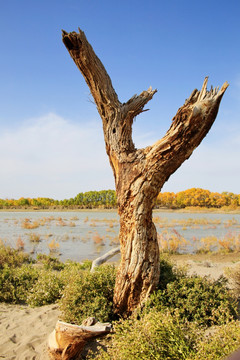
<point>140,173</point>
<point>139,270</point>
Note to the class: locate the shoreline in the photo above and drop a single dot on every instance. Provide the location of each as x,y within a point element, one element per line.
<point>189,210</point>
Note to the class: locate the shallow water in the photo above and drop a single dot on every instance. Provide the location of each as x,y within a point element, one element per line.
<point>79,235</point>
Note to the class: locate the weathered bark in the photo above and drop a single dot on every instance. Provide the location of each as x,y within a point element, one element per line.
<point>140,173</point>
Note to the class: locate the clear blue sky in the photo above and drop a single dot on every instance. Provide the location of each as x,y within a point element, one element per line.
<point>51,141</point>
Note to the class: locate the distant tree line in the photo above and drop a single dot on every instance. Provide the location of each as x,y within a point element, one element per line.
<point>88,200</point>
<point>198,197</point>
<point>106,199</point>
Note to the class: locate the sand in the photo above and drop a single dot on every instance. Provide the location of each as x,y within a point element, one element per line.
<point>213,265</point>
<point>24,330</point>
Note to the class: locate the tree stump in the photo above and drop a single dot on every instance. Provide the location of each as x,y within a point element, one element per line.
<point>67,341</point>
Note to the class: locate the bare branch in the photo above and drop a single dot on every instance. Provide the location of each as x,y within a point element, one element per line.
<point>135,105</point>
<point>102,259</point>
<point>93,71</point>
<point>189,126</point>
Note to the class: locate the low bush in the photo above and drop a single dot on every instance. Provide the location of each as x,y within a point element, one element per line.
<point>85,265</point>
<point>15,283</point>
<point>88,294</point>
<point>50,262</point>
<point>169,272</point>
<point>156,335</point>
<point>235,277</point>
<point>223,342</point>
<point>47,289</point>
<point>197,299</point>
<point>12,257</point>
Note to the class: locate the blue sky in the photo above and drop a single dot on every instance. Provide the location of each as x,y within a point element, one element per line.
<point>51,141</point>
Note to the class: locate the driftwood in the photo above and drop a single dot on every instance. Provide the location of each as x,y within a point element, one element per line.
<point>140,173</point>
<point>67,341</point>
<point>102,259</point>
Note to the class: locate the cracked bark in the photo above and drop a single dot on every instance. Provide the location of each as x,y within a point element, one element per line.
<point>140,173</point>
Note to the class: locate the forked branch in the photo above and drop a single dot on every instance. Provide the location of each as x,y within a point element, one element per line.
<point>189,126</point>
<point>97,77</point>
<point>117,117</point>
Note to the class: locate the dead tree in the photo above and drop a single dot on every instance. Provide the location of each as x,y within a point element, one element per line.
<point>140,173</point>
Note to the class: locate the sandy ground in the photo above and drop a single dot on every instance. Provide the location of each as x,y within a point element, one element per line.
<point>24,331</point>
<point>213,265</point>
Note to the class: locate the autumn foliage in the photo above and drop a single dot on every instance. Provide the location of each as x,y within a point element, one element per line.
<point>197,197</point>
<point>106,199</point>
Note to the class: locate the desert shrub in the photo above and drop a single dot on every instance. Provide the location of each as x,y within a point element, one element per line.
<point>156,335</point>
<point>223,342</point>
<point>169,272</point>
<point>85,265</point>
<point>235,277</point>
<point>12,257</point>
<point>47,289</point>
<point>88,294</point>
<point>15,283</point>
<point>204,301</point>
<point>50,262</point>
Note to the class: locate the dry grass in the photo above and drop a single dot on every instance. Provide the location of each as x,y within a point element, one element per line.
<point>53,246</point>
<point>61,222</point>
<point>74,218</point>
<point>190,222</point>
<point>34,238</point>
<point>20,244</point>
<point>28,224</point>
<point>97,239</point>
<point>229,243</point>
<point>171,242</point>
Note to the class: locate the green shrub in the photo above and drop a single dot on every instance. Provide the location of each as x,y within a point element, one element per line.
<point>15,283</point>
<point>12,257</point>
<point>88,294</point>
<point>50,262</point>
<point>47,289</point>
<point>169,272</point>
<point>156,335</point>
<point>85,265</point>
<point>235,277</point>
<point>197,299</point>
<point>223,342</point>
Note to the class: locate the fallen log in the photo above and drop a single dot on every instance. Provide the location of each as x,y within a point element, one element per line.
<point>100,260</point>
<point>67,341</point>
